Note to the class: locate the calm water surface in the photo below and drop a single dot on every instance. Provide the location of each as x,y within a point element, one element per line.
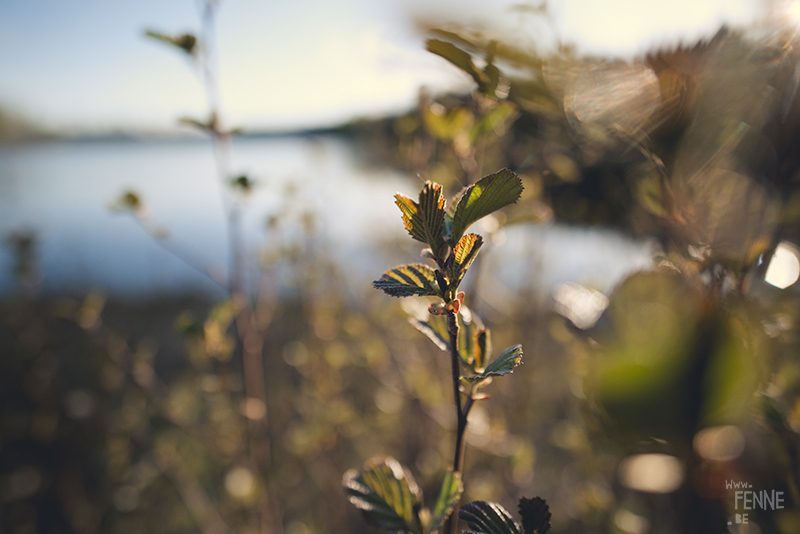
<point>62,193</point>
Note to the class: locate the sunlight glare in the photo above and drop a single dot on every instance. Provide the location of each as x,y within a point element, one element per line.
<point>793,11</point>
<point>784,268</point>
<point>581,305</point>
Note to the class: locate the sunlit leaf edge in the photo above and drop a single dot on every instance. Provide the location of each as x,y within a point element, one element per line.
<point>502,365</point>
<point>485,196</point>
<point>535,514</point>
<point>449,494</point>
<point>368,489</point>
<point>408,280</point>
<point>464,253</point>
<point>488,518</point>
<point>424,220</point>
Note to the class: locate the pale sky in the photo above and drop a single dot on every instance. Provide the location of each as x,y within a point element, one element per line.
<point>85,64</point>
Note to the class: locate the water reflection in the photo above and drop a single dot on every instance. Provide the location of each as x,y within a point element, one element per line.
<point>81,244</point>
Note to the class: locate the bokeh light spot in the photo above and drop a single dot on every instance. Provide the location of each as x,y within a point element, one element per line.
<point>240,482</point>
<point>719,443</point>
<point>651,473</point>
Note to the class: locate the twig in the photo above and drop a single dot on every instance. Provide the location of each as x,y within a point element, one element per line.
<point>461,411</point>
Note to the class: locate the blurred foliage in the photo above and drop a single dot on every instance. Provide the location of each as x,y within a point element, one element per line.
<point>122,418</point>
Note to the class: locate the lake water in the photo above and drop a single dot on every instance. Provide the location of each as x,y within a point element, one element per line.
<point>62,192</point>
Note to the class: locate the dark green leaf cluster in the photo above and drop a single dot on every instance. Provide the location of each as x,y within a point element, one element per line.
<point>390,499</point>
<point>491,518</point>
<point>431,221</point>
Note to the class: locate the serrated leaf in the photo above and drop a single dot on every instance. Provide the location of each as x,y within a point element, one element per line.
<point>386,493</point>
<point>408,280</point>
<point>447,499</point>
<point>463,255</point>
<point>535,515</point>
<point>504,364</point>
<point>424,220</point>
<point>487,195</point>
<point>487,518</point>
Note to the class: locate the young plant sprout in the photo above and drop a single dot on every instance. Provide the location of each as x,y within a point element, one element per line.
<point>384,490</point>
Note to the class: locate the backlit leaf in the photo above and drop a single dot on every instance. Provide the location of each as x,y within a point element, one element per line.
<point>447,499</point>
<point>487,518</point>
<point>504,364</point>
<point>469,336</point>
<point>487,195</point>
<point>535,515</point>
<point>435,328</point>
<point>424,220</point>
<point>408,280</point>
<point>463,255</point>
<point>451,212</point>
<point>483,348</point>
<point>386,493</point>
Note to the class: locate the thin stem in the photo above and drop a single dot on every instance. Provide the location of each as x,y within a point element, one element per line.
<point>461,412</point>
<point>452,328</point>
<point>182,254</point>
<point>249,339</point>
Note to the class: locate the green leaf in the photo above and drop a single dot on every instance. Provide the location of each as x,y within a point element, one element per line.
<point>424,220</point>
<point>483,348</point>
<point>451,212</point>
<point>408,280</point>
<point>435,328</point>
<point>487,518</point>
<point>459,58</point>
<point>504,364</point>
<point>386,493</point>
<point>447,499</point>
<point>535,515</point>
<point>461,258</point>
<point>488,194</point>
<point>186,41</point>
<point>469,336</point>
